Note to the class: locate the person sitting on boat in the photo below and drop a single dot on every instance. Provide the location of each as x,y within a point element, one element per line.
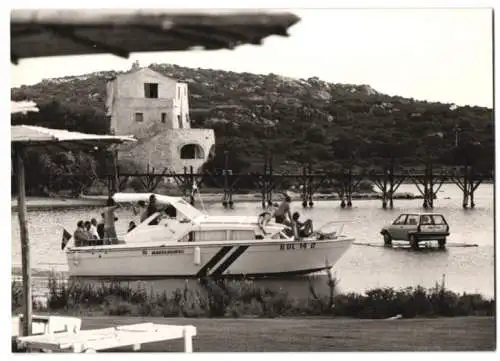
<point>304,229</point>
<point>110,236</point>
<point>171,211</point>
<point>283,212</point>
<point>166,213</point>
<point>91,240</point>
<point>263,219</point>
<point>93,229</point>
<point>80,235</point>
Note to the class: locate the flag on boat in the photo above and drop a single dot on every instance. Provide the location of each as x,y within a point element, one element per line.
<point>66,236</point>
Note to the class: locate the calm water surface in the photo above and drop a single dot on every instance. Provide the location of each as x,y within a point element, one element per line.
<point>367,264</point>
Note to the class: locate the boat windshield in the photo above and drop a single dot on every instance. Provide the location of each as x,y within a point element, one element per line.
<point>186,209</point>
<point>178,203</point>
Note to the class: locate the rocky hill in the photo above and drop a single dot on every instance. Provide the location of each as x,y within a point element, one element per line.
<point>298,120</point>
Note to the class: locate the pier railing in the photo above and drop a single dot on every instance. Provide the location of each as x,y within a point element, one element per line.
<point>428,181</point>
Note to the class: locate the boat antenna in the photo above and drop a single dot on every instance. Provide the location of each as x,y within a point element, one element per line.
<point>194,190</point>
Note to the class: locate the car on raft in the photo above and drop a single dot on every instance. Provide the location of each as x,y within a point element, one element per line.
<point>417,227</point>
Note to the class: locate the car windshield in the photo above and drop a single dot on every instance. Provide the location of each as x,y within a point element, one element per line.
<point>400,220</point>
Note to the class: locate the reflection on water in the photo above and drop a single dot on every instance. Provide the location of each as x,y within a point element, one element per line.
<point>366,265</point>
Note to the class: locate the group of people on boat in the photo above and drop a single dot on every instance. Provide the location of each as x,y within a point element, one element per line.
<point>283,215</point>
<point>86,233</point>
<point>152,208</point>
<point>92,233</point>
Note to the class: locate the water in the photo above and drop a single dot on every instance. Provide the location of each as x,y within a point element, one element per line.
<point>367,264</point>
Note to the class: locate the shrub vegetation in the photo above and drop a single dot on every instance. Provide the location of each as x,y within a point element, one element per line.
<point>244,298</point>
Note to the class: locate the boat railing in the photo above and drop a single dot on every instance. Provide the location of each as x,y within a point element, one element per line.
<point>330,229</point>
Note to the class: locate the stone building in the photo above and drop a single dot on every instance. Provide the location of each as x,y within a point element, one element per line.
<point>155,109</point>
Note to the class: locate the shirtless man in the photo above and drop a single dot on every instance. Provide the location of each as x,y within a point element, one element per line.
<point>283,211</point>
<point>109,222</point>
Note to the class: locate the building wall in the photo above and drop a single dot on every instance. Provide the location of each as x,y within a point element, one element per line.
<point>123,120</point>
<point>160,139</point>
<point>181,106</point>
<point>125,97</point>
<point>163,150</point>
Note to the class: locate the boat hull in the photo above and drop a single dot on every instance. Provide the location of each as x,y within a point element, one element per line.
<point>190,260</point>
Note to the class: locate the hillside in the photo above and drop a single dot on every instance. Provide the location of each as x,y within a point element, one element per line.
<point>299,120</point>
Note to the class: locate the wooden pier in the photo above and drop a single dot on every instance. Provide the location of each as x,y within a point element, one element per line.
<point>428,181</point>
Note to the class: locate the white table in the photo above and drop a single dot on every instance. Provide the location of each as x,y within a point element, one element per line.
<point>108,338</point>
<point>46,324</point>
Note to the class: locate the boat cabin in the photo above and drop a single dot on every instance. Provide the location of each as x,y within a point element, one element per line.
<point>178,221</point>
<point>185,223</point>
<point>205,229</point>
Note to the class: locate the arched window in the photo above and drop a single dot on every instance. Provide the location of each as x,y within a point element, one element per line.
<point>192,151</point>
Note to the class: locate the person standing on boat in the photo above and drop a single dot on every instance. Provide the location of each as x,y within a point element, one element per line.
<point>151,209</point>
<point>283,212</point>
<point>109,223</point>
<point>100,229</point>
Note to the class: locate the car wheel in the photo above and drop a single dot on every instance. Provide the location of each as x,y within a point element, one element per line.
<point>413,241</point>
<point>442,242</point>
<point>387,239</point>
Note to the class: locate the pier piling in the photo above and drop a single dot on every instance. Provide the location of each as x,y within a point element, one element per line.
<point>429,187</point>
<point>307,183</point>
<point>266,181</point>
<point>428,182</point>
<point>468,182</point>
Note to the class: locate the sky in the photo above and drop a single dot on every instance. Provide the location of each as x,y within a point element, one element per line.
<point>427,54</point>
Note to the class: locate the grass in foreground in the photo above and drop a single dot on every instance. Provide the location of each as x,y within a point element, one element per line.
<point>322,334</point>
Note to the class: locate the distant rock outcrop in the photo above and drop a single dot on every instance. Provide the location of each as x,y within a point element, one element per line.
<point>300,120</point>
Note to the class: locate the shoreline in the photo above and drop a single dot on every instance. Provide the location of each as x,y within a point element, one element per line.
<point>42,203</point>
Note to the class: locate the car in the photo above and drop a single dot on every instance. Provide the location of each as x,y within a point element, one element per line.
<point>416,227</point>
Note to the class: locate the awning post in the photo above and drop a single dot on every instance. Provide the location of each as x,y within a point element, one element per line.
<point>25,244</point>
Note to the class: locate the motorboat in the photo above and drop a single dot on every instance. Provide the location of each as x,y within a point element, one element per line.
<point>189,243</point>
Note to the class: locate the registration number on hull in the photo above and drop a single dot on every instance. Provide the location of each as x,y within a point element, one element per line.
<point>297,246</point>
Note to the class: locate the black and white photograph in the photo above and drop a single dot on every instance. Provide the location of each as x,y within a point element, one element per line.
<point>252,178</point>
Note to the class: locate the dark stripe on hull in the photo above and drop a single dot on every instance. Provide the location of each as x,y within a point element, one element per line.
<point>230,276</point>
<point>229,261</point>
<point>213,261</point>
